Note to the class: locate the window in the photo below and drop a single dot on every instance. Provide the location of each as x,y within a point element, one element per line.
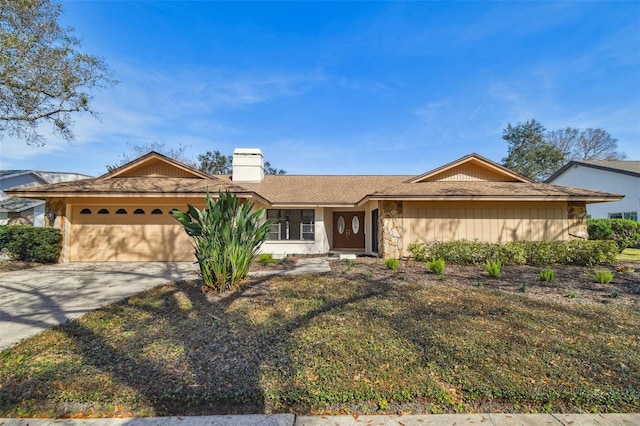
<point>103,211</point>
<point>138,211</point>
<point>156,211</point>
<point>294,224</point>
<point>85,211</point>
<point>624,215</point>
<point>121,211</point>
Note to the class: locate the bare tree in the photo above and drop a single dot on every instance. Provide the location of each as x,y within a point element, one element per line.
<point>138,150</point>
<point>44,78</point>
<point>589,144</point>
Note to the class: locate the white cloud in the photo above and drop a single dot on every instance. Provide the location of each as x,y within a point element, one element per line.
<point>174,105</point>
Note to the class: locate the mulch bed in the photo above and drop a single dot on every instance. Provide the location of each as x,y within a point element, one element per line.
<point>515,279</point>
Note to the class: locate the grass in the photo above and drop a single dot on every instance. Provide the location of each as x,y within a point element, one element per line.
<point>630,254</point>
<point>314,344</point>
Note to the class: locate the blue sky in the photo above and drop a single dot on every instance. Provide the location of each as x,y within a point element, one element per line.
<point>347,87</point>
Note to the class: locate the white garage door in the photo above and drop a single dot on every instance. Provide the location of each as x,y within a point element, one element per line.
<point>127,233</point>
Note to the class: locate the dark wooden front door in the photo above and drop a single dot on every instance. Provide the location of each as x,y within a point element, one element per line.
<point>348,230</point>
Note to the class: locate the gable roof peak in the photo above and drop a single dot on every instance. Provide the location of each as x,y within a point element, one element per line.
<point>129,169</point>
<point>479,161</point>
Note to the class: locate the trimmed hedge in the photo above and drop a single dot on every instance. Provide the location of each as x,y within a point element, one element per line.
<point>625,232</point>
<point>31,244</point>
<point>465,252</point>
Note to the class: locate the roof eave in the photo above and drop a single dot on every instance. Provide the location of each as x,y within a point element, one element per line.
<point>146,194</point>
<point>587,199</point>
<point>592,166</point>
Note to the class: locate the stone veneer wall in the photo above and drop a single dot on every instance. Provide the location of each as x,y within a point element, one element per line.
<point>391,232</point>
<point>59,207</point>
<point>24,217</point>
<point>577,215</point>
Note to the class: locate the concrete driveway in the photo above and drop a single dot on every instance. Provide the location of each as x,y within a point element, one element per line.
<point>36,299</point>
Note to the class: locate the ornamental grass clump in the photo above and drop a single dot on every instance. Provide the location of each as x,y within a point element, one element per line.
<point>546,275</point>
<point>392,263</point>
<point>603,276</point>
<point>227,235</point>
<point>494,268</point>
<point>436,265</point>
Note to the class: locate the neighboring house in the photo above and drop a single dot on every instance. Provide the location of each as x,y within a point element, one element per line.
<point>20,211</point>
<point>125,214</point>
<point>622,177</point>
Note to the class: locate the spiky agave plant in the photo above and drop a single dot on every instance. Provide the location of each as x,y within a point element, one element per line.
<point>227,235</point>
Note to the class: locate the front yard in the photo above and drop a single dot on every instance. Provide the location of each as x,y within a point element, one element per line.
<point>361,339</point>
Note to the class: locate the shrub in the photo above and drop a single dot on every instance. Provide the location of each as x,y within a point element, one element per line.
<point>227,237</point>
<point>494,268</point>
<point>265,259</point>
<point>625,232</point>
<point>603,276</point>
<point>465,252</point>
<point>436,265</point>
<point>392,263</point>
<point>31,244</point>
<point>547,275</point>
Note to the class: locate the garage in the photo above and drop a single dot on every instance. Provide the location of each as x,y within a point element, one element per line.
<point>127,233</point>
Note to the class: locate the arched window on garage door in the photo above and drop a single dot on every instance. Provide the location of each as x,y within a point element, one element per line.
<point>85,211</point>
<point>138,211</point>
<point>103,211</point>
<point>121,211</point>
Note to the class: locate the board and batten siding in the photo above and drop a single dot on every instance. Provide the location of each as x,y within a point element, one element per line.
<point>468,173</point>
<point>485,221</point>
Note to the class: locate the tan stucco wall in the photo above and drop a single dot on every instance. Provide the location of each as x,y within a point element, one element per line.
<point>405,222</point>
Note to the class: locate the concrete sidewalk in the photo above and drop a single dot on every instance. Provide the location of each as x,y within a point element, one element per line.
<point>383,420</point>
<point>32,300</point>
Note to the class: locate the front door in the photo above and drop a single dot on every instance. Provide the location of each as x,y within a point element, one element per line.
<point>348,230</point>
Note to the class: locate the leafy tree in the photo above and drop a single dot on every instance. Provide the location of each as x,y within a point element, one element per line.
<point>138,150</point>
<point>227,237</point>
<point>44,77</point>
<point>214,163</point>
<point>529,153</point>
<point>269,170</point>
<point>589,144</point>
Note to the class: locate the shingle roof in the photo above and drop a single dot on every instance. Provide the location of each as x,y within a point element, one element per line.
<point>327,190</point>
<point>488,190</point>
<point>132,185</point>
<point>631,168</point>
<point>291,190</point>
<point>13,204</point>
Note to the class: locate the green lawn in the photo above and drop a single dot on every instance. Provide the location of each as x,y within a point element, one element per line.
<point>329,345</point>
<point>630,254</point>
